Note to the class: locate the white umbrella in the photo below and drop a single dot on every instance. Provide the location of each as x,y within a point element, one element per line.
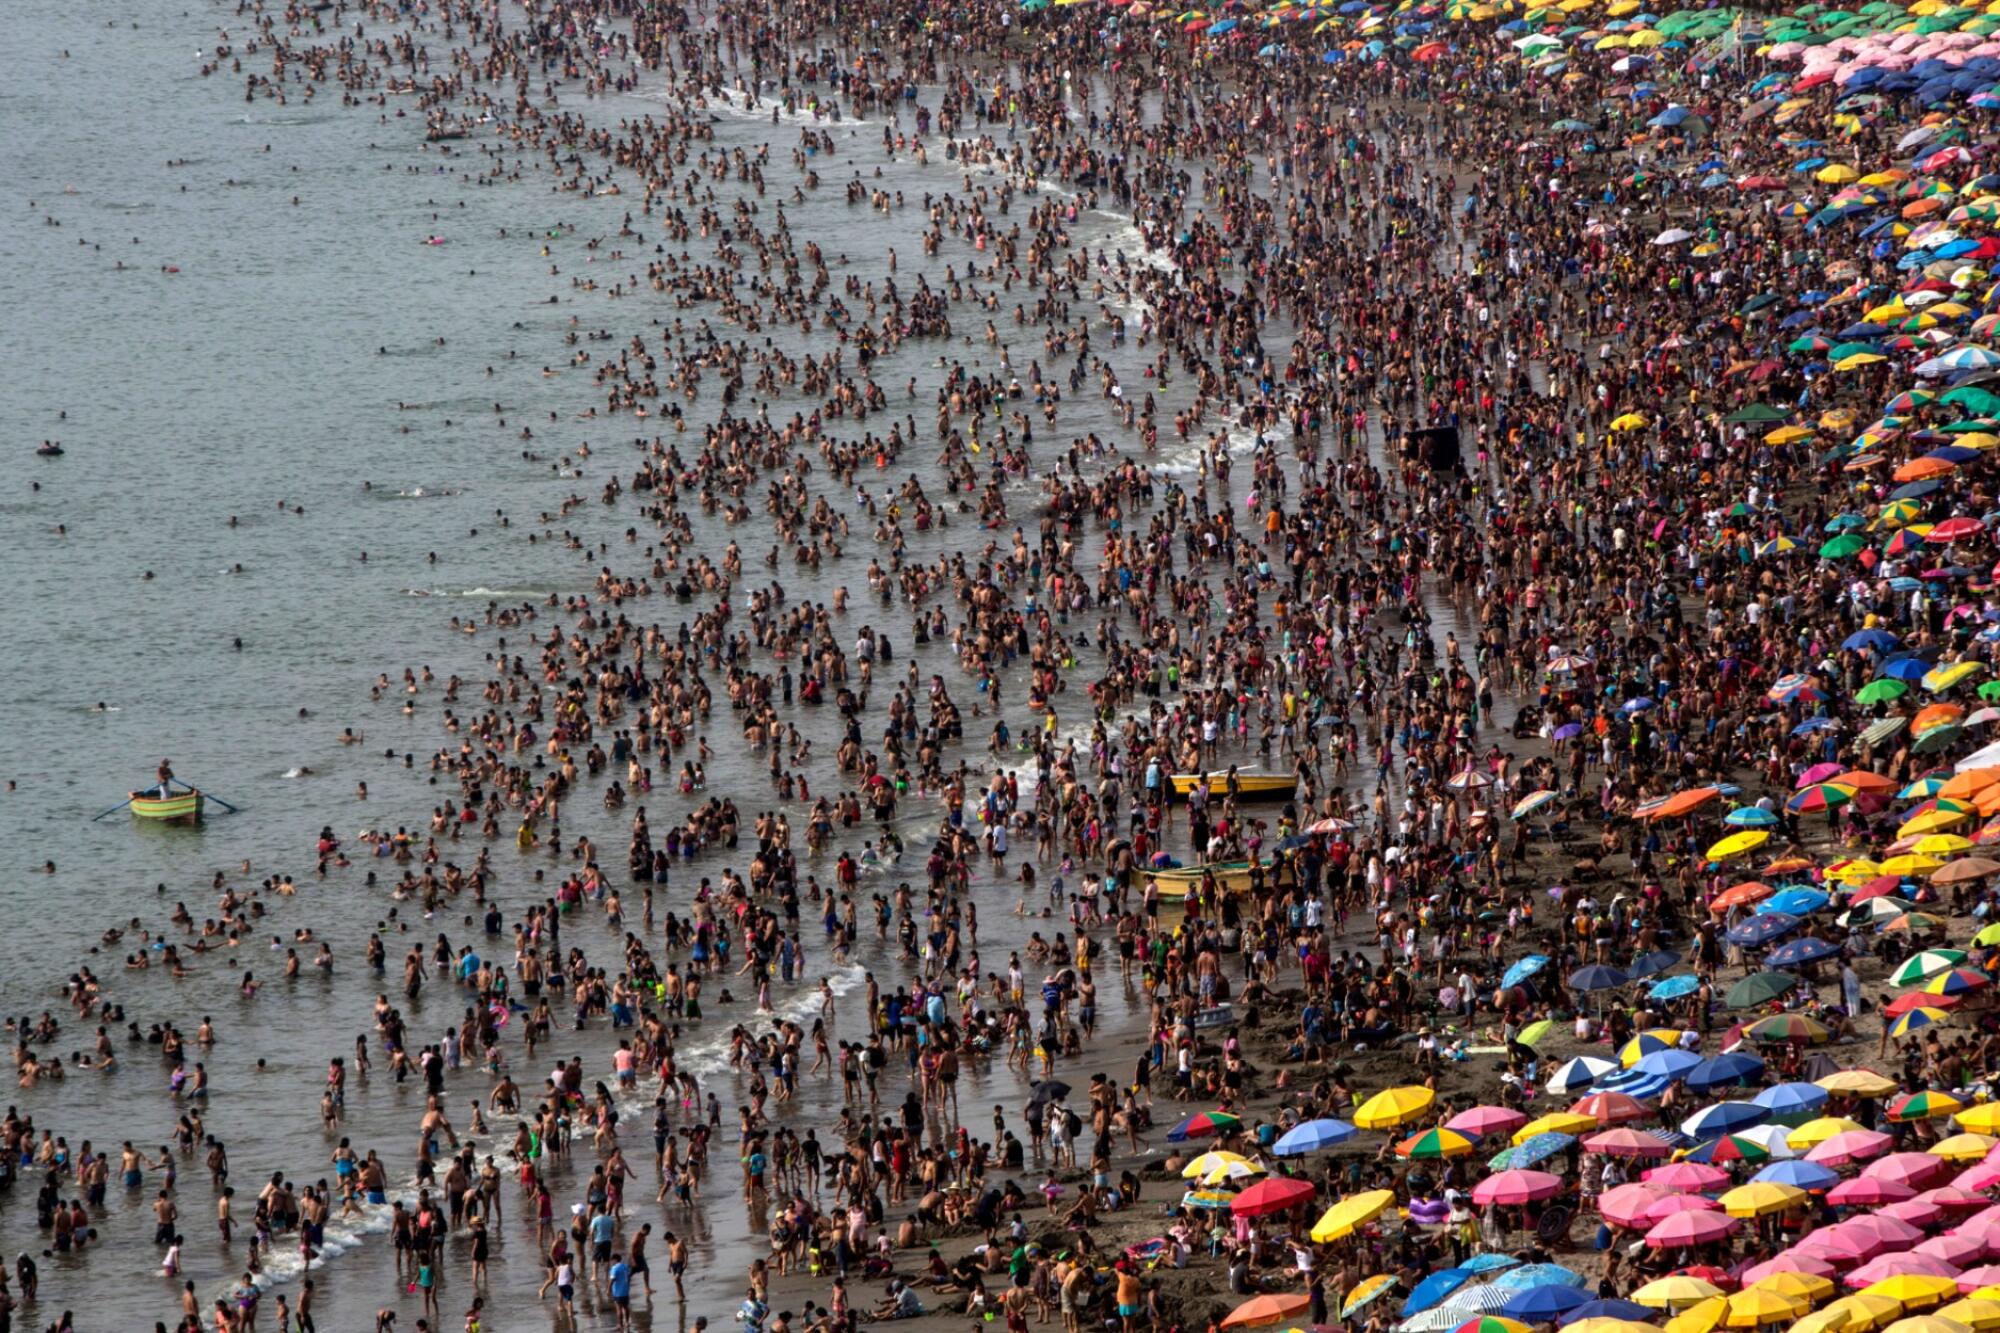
<point>1673,236</point>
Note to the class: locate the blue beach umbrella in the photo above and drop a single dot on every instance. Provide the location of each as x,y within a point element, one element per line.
<point>1712,1122</point>
<point>1312,1136</point>
<point>1720,1071</point>
<point>1671,1063</point>
<point>1794,902</point>
<point>1800,1174</point>
<point>1596,977</point>
<point>1799,952</point>
<point>1521,969</point>
<point>1530,1276</point>
<point>1672,988</point>
<point>1610,1308</point>
<point>1762,929</point>
<point>1542,1305</point>
<point>1792,1101</point>
<point>1434,1289</point>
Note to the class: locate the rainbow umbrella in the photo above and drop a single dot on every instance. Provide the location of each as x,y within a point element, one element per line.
<point>1203,1123</point>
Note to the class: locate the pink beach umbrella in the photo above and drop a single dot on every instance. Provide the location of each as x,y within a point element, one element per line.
<point>1691,1228</point>
<point>1866,1192</point>
<point>1981,1177</point>
<point>1982,1220</point>
<point>1915,1169</point>
<point>1915,1211</point>
<point>1958,1251</point>
<point>1686,1176</point>
<point>1516,1187</point>
<point>1662,1209</point>
<point>1838,1248</point>
<point>1625,1205</point>
<point>1611,1108</point>
<point>1897,1235</point>
<point>1626,1143</point>
<point>1791,1261</point>
<point>1955,1198</point>
<point>1483,1120</point>
<point>1972,1279</point>
<point>1903,1263</point>
<point>1851,1145</point>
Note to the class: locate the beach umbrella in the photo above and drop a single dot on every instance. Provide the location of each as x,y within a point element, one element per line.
<point>1723,1070</point>
<point>1852,1146</point>
<point>1741,843</point>
<point>1490,1263</point>
<point>1479,1121</point>
<point>1608,1308</point>
<point>1610,1108</point>
<point>1214,1200</point>
<point>1276,1195</point>
<point>1759,930</point>
<point>1901,1268</point>
<point>1809,1176</point>
<point>1689,1176</point>
<point>1964,1148</point>
<point>1521,969</point>
<point>1263,1311</point>
<point>1555,1122</point>
<point>1691,1228</point>
<point>1789,1262</point>
<point>1434,1289</point>
<point>1538,1275</point>
<point>1668,1064</point>
<point>1974,1313</point>
<point>1491,1323</point>
<point>1649,1042</point>
<point>1723,1118</point>
<point>1788,1027</point>
<point>1433,1144</point>
<point>1203,1123</point>
<point>1787,1100</point>
<point>1596,977</point>
<point>1365,1291</point>
<point>1579,1073</point>
<point>1313,1136</point>
<point>1543,1305</point>
<point>1210,1161</point>
<point>1815,1132</point>
<point>1926,1105</point>
<point>1761,1197</point>
<point>1730,1148</point>
<point>1350,1214</point>
<point>1921,967</point>
<point>1800,952</point>
<point>1627,1204</point>
<point>1675,1292</point>
<point>1753,1307</point>
<point>1673,988</point>
<point>1759,989</point>
<point>1393,1107</point>
<point>1515,1187</point>
<point>1857,1083</point>
<point>1701,1317</point>
<point>1915,1169</point>
<point>1864,1192</point>
<point>1627,1143</point>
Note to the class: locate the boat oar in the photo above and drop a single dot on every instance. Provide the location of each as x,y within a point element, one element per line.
<point>113,810</point>
<point>211,796</point>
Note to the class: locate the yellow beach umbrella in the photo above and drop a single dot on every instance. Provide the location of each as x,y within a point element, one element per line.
<point>1393,1107</point>
<point>1675,1292</point>
<point>1556,1122</point>
<point>1208,1161</point>
<point>1828,1320</point>
<point>1350,1214</point>
<point>1858,1083</point>
<point>1866,1311</point>
<point>1916,1291</point>
<point>1703,1317</point>
<point>1980,1316</point>
<point>1760,1197</point>
<point>1981,1119</point>
<point>1815,1132</point>
<point>1754,1307</point>
<point>1736,844</point>
<point>1809,1287</point>
<point>1963,1147</point>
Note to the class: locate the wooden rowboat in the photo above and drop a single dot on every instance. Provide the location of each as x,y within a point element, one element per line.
<point>1250,786</point>
<point>182,805</point>
<point>1230,877</point>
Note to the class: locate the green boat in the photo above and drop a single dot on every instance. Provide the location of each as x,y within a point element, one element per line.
<point>1230,876</point>
<point>181,805</point>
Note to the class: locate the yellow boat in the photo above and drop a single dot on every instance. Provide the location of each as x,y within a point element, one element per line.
<point>1249,786</point>
<point>1230,877</point>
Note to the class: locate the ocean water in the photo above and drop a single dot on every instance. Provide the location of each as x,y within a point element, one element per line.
<point>312,382</point>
